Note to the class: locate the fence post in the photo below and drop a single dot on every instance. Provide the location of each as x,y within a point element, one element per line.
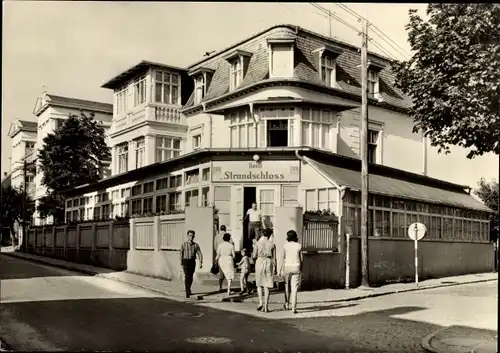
<point>111,231</point>
<point>54,237</point>
<point>43,240</point>
<point>65,243</point>
<point>94,242</point>
<point>78,239</point>
<point>157,233</point>
<point>132,233</point>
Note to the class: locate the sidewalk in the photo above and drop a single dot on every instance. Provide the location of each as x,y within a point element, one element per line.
<point>459,339</point>
<point>210,293</point>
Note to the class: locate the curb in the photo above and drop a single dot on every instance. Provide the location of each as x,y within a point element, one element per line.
<point>177,297</point>
<point>425,343</point>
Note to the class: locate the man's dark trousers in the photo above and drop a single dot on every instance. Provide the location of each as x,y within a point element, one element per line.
<point>254,230</point>
<point>188,265</point>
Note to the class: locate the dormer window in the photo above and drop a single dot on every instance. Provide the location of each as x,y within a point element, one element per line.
<point>373,84</point>
<point>374,68</point>
<point>326,57</point>
<point>236,74</point>
<point>202,77</point>
<point>238,63</point>
<point>281,57</point>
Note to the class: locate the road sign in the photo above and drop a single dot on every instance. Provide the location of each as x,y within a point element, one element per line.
<point>417,231</point>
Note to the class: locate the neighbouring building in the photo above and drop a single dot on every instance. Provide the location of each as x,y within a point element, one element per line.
<point>27,138</point>
<point>275,119</point>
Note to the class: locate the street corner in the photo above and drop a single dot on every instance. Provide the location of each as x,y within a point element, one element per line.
<point>461,339</point>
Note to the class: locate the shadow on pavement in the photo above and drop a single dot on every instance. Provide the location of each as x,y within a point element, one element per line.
<point>317,308</point>
<point>18,268</point>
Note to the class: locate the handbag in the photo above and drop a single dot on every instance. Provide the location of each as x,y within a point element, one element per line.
<point>215,269</point>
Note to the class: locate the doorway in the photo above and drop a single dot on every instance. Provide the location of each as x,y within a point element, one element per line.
<point>249,197</point>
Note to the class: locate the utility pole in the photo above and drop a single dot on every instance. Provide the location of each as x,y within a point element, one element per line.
<point>364,154</point>
<point>25,193</point>
<point>329,23</point>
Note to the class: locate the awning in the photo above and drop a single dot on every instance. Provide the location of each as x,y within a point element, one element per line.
<point>397,187</point>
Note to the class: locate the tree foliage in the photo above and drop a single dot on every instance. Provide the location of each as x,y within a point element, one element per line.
<point>453,77</point>
<point>71,156</point>
<point>488,193</point>
<point>12,207</point>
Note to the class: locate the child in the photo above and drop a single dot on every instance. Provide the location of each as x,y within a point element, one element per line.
<point>244,266</point>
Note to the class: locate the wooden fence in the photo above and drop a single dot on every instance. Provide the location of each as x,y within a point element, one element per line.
<point>103,244</point>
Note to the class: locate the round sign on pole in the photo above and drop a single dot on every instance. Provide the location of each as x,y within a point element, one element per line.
<point>416,231</point>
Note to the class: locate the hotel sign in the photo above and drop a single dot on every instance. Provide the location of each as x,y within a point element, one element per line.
<point>255,172</point>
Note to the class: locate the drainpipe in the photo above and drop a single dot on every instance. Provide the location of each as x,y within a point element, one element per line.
<point>424,154</point>
<point>209,127</point>
<point>255,125</point>
<point>299,157</point>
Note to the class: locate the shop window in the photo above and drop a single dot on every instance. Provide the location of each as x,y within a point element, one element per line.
<point>222,200</point>
<point>148,205</point>
<point>290,195</point>
<point>136,207</point>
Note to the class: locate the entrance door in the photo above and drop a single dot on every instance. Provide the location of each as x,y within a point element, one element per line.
<point>249,197</point>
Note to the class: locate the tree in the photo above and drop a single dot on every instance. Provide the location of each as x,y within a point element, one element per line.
<point>12,208</point>
<point>453,77</point>
<point>71,156</point>
<point>488,193</point>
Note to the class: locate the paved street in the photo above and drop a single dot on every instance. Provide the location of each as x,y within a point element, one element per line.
<point>45,308</point>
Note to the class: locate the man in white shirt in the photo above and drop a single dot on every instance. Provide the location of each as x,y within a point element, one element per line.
<point>254,222</point>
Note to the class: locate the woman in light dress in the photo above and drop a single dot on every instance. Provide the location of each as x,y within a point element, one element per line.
<point>264,252</point>
<point>225,259</point>
<point>291,269</point>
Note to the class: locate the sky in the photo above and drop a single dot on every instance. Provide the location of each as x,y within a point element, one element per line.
<point>71,48</point>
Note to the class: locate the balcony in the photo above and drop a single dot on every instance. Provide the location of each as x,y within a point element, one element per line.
<point>152,112</point>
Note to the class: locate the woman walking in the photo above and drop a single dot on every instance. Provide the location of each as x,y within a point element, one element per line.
<point>225,258</point>
<point>291,269</point>
<point>265,267</point>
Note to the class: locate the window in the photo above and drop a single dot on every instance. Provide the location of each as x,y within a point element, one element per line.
<point>167,148</point>
<point>124,209</point>
<point>140,149</point>
<point>328,71</point>
<point>97,213</point>
<point>74,215</point>
<point>290,195</point>
<point>88,213</point>
<point>136,206</point>
<point>105,196</point>
<point>200,85</point>
<point>116,210</point>
<point>191,198</point>
<point>98,198</point>
<point>281,61</point>
<point>372,82</point>
<point>204,196</point>
<point>139,88</point>
<point>175,181</point>
<point>192,177</point>
<point>162,184</point>
<point>121,101</point>
<point>241,129</point>
<point>327,199</point>
<point>59,123</point>
<point>196,141</point>
<point>137,190</point>
<point>174,201</point>
<point>148,205</point>
<point>114,195</point>
<point>205,174</point>
<point>69,203</point>
<point>372,146</point>
<point>122,157</point>
<point>267,206</point>
<point>105,212</point>
<point>236,74</point>
<point>161,203</point>
<point>149,187</point>
<point>167,88</point>
<point>276,127</point>
<point>125,193</point>
<point>222,200</point>
<point>317,128</point>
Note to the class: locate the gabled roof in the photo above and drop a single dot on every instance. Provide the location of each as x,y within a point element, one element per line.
<point>46,100</point>
<point>306,68</point>
<point>22,125</point>
<point>129,73</point>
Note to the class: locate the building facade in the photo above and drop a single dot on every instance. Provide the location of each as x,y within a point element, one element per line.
<point>27,138</point>
<point>274,119</point>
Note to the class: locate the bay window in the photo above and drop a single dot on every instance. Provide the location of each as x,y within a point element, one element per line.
<point>167,148</point>
<point>277,127</point>
<point>139,88</point>
<point>139,152</point>
<point>242,134</point>
<point>121,101</point>
<point>318,128</point>
<point>167,87</point>
<point>122,157</point>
